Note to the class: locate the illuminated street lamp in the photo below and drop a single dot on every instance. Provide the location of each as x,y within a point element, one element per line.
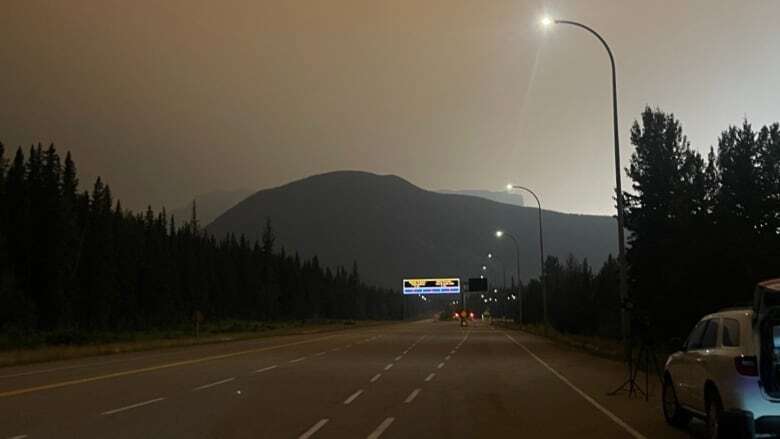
<point>499,235</point>
<point>625,316</point>
<point>542,278</point>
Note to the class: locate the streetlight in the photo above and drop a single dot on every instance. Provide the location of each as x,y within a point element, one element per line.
<point>625,316</point>
<point>509,187</point>
<point>499,235</point>
<point>503,269</point>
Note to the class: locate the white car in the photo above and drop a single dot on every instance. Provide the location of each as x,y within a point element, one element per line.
<point>728,371</point>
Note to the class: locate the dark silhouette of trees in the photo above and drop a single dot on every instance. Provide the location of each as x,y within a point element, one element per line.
<point>77,261</point>
<point>703,231</point>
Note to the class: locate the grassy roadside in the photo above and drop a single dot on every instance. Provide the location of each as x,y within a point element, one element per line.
<point>599,346</point>
<point>108,344</point>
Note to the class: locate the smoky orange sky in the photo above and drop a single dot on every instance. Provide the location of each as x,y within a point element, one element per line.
<point>168,99</point>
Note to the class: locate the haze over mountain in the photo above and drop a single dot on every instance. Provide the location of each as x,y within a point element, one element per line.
<point>501,197</point>
<point>394,229</point>
<point>210,205</point>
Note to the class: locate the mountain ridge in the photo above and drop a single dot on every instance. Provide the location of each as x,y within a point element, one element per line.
<point>394,229</point>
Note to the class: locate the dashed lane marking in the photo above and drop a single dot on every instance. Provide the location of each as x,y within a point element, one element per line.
<point>132,406</point>
<point>381,428</point>
<point>310,432</point>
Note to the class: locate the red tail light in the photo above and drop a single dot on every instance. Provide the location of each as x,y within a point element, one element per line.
<point>747,366</point>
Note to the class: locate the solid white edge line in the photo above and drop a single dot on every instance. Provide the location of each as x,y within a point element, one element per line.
<point>381,428</point>
<point>587,397</point>
<point>297,360</point>
<point>132,406</point>
<point>375,377</point>
<point>353,397</point>
<point>314,428</point>
<point>430,377</point>
<point>216,383</point>
<point>388,366</point>
<point>266,369</point>
<point>412,395</point>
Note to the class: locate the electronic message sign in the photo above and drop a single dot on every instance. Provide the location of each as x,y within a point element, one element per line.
<point>432,286</point>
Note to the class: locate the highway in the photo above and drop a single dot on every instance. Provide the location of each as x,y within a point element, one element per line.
<point>421,379</point>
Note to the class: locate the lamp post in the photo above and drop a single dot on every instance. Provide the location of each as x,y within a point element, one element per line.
<point>500,234</point>
<point>503,270</point>
<point>542,277</point>
<point>625,316</point>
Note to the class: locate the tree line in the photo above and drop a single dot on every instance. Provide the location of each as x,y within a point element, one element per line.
<point>77,260</point>
<point>702,232</point>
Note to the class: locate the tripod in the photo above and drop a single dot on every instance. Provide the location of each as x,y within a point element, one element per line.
<point>647,359</point>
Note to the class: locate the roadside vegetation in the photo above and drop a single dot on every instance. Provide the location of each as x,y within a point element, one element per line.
<point>63,345</point>
<point>78,268</point>
<point>702,232</point>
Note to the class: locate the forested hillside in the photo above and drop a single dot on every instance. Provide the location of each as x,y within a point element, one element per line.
<point>76,261</point>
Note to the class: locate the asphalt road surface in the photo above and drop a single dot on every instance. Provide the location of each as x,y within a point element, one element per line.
<point>411,380</point>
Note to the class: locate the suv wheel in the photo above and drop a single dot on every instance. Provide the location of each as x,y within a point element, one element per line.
<point>714,416</point>
<point>674,414</point>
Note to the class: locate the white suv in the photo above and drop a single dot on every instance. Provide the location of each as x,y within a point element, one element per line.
<point>728,371</point>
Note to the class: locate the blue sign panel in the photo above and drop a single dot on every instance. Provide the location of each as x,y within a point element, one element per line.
<point>432,286</point>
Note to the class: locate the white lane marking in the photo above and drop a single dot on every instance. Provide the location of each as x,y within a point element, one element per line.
<point>388,366</point>
<point>130,407</point>
<point>440,365</point>
<point>452,352</point>
<point>348,346</point>
<point>21,436</point>
<point>375,377</point>
<point>406,352</point>
<point>398,357</point>
<point>411,396</point>
<point>429,377</point>
<point>353,397</point>
<point>587,397</point>
<point>335,349</point>
<point>319,354</point>
<point>206,386</point>
<point>297,360</point>
<point>313,429</point>
<point>381,428</point>
<point>265,369</point>
<point>447,358</point>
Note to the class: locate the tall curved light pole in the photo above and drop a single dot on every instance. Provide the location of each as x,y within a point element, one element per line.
<point>542,277</point>
<point>503,269</point>
<point>500,234</point>
<point>625,316</point>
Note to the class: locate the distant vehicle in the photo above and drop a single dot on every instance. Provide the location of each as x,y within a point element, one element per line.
<point>728,371</point>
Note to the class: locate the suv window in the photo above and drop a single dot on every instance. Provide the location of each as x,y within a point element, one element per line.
<point>694,340</point>
<point>730,332</point>
<point>710,338</point>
